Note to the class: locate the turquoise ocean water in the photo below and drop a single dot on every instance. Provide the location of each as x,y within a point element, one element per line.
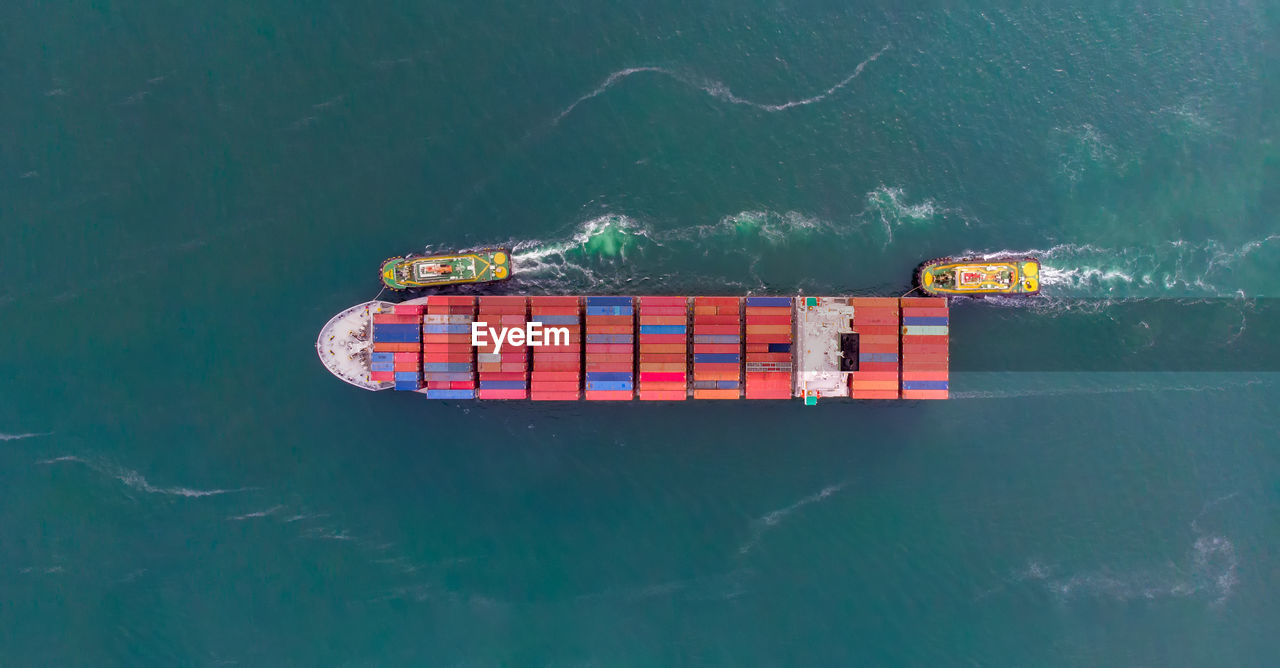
<point>189,190</point>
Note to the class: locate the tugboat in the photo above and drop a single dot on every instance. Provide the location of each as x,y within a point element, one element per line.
<point>944,277</point>
<point>428,271</point>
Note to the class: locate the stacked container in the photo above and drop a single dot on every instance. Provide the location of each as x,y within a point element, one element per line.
<point>925,349</point>
<point>768,368</point>
<point>447,356</point>
<point>717,347</point>
<point>557,370</point>
<point>504,372</point>
<point>396,347</point>
<point>610,334</point>
<point>664,348</point>
<point>875,321</point>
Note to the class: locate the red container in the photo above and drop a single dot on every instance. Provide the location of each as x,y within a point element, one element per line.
<point>381,347</point>
<point>609,367</point>
<point>881,330</point>
<point>548,396</point>
<point>924,394</point>
<point>504,375</point>
<point>662,300</point>
<point>556,356</point>
<point>396,318</point>
<point>767,310</point>
<point>648,319</point>
<point>450,300</point>
<point>538,376</point>
<point>878,366</point>
<point>925,312</point>
<point>575,367</point>
<point>657,377</point>
<point>924,302</point>
<point>877,347</point>
<point>502,394</point>
<point>768,357</point>
<point>662,338</point>
<point>717,348</point>
<point>553,300</point>
<point>875,375</point>
<point>770,320</point>
<point>917,349</point>
<point>700,320</point>
<point>716,301</point>
<point>594,349</point>
<point>382,376</point>
<point>717,330</point>
<point>557,385</point>
<point>461,384</point>
<point>415,309</point>
<point>925,339</point>
<point>406,357</point>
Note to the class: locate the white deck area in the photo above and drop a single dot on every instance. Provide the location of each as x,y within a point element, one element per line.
<point>346,341</point>
<point>817,354</point>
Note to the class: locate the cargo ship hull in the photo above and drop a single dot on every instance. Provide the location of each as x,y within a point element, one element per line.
<point>427,271</point>
<point>979,277</point>
<point>646,348</point>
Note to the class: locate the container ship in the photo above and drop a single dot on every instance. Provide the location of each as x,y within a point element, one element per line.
<point>644,348</point>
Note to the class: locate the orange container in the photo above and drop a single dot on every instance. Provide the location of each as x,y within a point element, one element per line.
<point>555,385</point>
<point>874,302</point>
<point>548,395</point>
<point>864,339</point>
<point>731,319</point>
<point>662,395</point>
<point>925,375</point>
<point>661,385</point>
<point>874,394</point>
<point>874,385</point>
<point>700,373</point>
<point>717,394</point>
<point>664,348</point>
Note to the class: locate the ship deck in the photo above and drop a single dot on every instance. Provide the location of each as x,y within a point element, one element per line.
<point>819,324</point>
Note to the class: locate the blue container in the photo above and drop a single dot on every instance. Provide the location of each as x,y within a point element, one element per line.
<point>608,301</point>
<point>716,338</point>
<point>779,347</point>
<point>382,357</point>
<point>924,384</point>
<point>769,301</point>
<point>726,384</point>
<point>877,357</point>
<point>715,358</point>
<point>609,310</point>
<point>447,329</point>
<point>609,385</point>
<point>408,386</point>
<point>924,321</point>
<point>555,319</point>
<point>408,375</point>
<point>445,377</point>
<point>451,394</point>
<point>662,329</point>
<point>446,366</point>
<point>502,385</point>
<point>382,366</point>
<point>608,375</point>
<point>396,333</point>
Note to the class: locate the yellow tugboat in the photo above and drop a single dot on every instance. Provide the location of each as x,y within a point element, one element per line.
<point>479,266</point>
<point>946,276</point>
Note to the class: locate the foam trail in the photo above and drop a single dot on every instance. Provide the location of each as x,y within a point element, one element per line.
<point>1174,268</point>
<point>717,89</point>
<point>774,518</point>
<point>135,480</point>
<point>18,437</point>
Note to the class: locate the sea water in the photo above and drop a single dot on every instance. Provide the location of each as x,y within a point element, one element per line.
<point>188,192</point>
